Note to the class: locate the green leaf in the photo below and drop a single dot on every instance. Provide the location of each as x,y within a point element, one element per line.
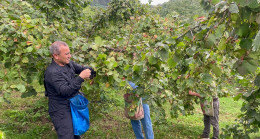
<point>111,63</point>
<point>257,117</point>
<point>256,43</point>
<point>176,58</point>
<point>102,56</point>
<point>25,60</point>
<point>3,49</point>
<point>258,18</point>
<point>257,80</point>
<point>136,68</point>
<point>98,41</point>
<point>211,39</point>
<point>85,47</point>
<point>122,83</point>
<point>219,31</point>
<point>190,82</point>
<point>206,78</point>
<point>2,74</point>
<point>245,14</point>
<point>81,59</point>
<point>240,52</point>
<point>216,70</point>
<point>251,61</point>
<point>163,54</point>
<point>152,60</point>
<point>214,2</point>
<point>94,47</point>
<point>247,94</point>
<point>253,4</point>
<point>253,55</point>
<point>116,75</point>
<point>233,8</point>
<point>30,92</point>
<point>126,67</point>
<point>238,96</point>
<point>8,64</point>
<point>222,44</point>
<point>246,43</point>
<point>171,63</point>
<point>21,88</point>
<point>200,35</point>
<point>243,30</point>
<point>171,41</point>
<point>161,45</point>
<point>181,44</point>
<point>27,16</point>
<point>175,75</point>
<point>29,49</point>
<point>242,3</point>
<point>234,17</point>
<point>191,50</point>
<point>1,100</point>
<point>211,20</point>
<point>110,73</point>
<point>247,67</point>
<point>115,64</point>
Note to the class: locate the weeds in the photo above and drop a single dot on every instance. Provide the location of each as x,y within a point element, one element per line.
<point>28,118</point>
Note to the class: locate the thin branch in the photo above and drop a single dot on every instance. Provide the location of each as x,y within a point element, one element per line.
<point>131,30</point>
<point>188,31</point>
<point>114,49</point>
<point>215,26</point>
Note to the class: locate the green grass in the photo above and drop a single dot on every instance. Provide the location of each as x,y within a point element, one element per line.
<point>28,118</point>
<point>191,126</point>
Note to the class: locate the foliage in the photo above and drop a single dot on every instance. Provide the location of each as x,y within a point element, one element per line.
<point>2,136</point>
<point>116,14</point>
<point>127,41</point>
<point>112,125</point>
<point>241,39</point>
<point>100,3</point>
<point>186,9</point>
<point>25,36</point>
<point>65,11</point>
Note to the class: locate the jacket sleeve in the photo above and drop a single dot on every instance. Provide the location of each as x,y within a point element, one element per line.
<point>64,87</point>
<point>78,68</point>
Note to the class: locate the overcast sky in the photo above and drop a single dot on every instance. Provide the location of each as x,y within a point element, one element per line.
<point>155,2</point>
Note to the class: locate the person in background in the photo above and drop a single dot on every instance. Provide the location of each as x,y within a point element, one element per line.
<point>62,81</point>
<point>146,122</point>
<point>209,120</point>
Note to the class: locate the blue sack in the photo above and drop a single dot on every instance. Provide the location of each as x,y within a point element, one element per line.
<point>80,114</point>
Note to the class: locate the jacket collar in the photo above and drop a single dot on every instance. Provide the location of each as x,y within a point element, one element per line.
<point>58,67</point>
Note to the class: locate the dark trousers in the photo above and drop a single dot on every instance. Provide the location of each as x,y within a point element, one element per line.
<point>62,122</point>
<point>212,120</point>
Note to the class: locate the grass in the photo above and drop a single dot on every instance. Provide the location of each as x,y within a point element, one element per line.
<point>191,126</point>
<point>28,118</point>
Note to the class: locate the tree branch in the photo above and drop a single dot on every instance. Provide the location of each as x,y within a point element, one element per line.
<point>188,31</point>
<point>114,49</point>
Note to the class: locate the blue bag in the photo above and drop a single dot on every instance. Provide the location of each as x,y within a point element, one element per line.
<point>80,114</point>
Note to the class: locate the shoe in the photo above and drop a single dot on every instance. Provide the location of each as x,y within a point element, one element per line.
<point>204,137</point>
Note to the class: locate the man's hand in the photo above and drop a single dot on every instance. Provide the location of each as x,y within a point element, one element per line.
<point>194,93</point>
<point>85,74</point>
<point>191,93</point>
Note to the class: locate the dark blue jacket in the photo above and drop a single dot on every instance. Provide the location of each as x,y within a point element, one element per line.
<point>61,83</point>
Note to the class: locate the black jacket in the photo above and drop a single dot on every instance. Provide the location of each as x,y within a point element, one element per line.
<point>61,83</point>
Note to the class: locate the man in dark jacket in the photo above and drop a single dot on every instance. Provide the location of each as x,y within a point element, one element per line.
<point>62,81</point>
